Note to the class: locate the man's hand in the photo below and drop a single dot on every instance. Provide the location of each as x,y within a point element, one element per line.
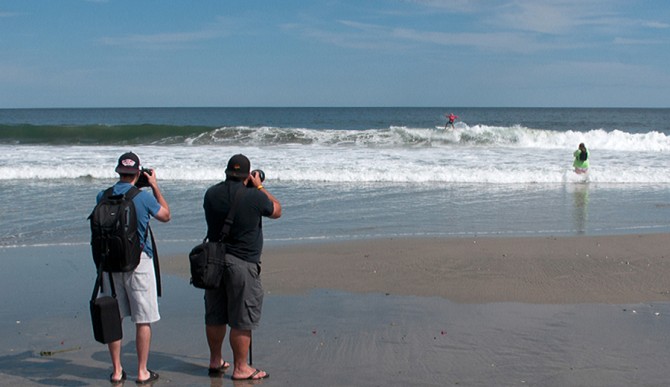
<point>255,178</point>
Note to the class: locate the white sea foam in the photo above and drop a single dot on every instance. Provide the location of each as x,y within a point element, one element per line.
<point>477,154</point>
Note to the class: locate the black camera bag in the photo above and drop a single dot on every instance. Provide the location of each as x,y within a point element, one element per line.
<point>207,260</point>
<point>105,315</point>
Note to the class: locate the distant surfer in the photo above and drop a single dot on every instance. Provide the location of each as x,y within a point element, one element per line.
<point>450,120</point>
<point>581,162</point>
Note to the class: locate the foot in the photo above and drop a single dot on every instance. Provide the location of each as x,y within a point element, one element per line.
<point>152,378</point>
<point>118,380</point>
<point>218,370</point>
<point>256,375</point>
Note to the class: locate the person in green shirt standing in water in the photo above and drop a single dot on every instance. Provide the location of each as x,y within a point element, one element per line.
<point>581,162</point>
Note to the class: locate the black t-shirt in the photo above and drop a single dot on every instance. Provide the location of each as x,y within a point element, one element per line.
<point>246,233</point>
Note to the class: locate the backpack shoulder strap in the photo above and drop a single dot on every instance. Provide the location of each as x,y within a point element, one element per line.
<point>132,192</point>
<point>107,193</point>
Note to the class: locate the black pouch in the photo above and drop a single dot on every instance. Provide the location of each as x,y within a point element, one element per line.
<point>206,261</point>
<point>105,315</point>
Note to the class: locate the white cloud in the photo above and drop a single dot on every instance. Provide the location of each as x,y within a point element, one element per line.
<point>380,37</point>
<point>608,74</point>
<point>360,36</point>
<point>220,28</point>
<point>453,5</point>
<point>638,42</point>
<point>159,39</point>
<point>655,24</point>
<point>537,17</point>
<point>496,41</point>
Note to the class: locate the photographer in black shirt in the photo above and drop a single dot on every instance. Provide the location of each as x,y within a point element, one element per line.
<point>239,301</point>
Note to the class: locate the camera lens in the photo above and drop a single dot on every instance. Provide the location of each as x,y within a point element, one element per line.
<point>260,173</point>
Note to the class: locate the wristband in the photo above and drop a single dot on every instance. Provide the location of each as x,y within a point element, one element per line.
<point>260,187</point>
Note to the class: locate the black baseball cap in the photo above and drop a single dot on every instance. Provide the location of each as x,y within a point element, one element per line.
<point>238,166</point>
<point>129,164</point>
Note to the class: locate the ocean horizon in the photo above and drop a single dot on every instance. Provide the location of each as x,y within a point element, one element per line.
<point>346,173</point>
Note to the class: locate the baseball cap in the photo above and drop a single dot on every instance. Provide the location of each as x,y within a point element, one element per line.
<point>238,166</point>
<point>129,163</point>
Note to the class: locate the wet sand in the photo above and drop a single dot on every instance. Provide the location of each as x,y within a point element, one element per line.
<point>589,311</point>
<point>540,270</point>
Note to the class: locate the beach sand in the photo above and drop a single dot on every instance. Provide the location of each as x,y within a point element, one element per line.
<point>547,270</point>
<point>541,311</point>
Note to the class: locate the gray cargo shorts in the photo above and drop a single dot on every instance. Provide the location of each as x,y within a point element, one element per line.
<point>238,302</point>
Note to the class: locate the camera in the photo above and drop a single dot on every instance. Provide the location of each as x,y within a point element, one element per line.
<point>261,175</point>
<point>142,181</point>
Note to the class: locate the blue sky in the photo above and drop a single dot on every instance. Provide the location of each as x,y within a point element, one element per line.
<point>451,53</point>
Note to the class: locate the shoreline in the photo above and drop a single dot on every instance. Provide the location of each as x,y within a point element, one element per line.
<point>537,270</point>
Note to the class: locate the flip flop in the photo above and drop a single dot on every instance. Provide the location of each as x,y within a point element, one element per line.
<point>219,370</point>
<point>118,381</point>
<point>152,378</point>
<point>251,377</point>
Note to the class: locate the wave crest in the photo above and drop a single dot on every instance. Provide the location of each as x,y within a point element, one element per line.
<point>394,136</point>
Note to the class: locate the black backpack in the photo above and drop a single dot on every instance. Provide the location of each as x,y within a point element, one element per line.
<point>115,241</point>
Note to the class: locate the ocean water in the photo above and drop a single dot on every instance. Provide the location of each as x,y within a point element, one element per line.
<point>346,173</point>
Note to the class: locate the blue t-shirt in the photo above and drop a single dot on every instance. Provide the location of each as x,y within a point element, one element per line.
<point>146,206</point>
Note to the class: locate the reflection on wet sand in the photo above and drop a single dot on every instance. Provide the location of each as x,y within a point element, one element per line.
<point>581,206</point>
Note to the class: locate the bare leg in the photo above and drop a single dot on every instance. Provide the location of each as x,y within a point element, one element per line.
<point>215,335</point>
<point>239,342</point>
<point>143,343</point>
<point>115,353</point>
